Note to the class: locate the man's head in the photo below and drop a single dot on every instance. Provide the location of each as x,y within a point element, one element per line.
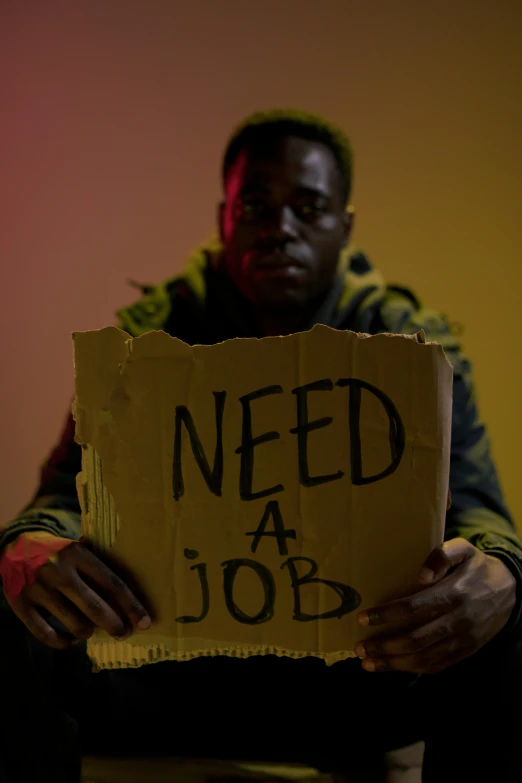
<point>287,181</point>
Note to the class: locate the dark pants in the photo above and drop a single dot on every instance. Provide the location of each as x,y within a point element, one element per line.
<point>337,718</point>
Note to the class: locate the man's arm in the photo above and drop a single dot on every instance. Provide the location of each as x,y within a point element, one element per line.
<point>60,587</point>
<point>470,587</point>
<point>478,512</point>
<point>54,508</point>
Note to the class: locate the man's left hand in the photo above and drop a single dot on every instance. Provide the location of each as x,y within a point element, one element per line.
<point>465,600</point>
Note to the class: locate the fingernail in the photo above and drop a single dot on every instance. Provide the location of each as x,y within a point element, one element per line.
<point>426,575</point>
<point>369,618</point>
<point>144,623</point>
<point>359,650</point>
<point>363,618</point>
<point>374,665</point>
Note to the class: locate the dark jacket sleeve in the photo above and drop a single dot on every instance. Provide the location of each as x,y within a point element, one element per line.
<point>478,511</point>
<point>55,507</point>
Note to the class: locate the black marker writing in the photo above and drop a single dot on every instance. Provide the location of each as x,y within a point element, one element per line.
<point>397,433</point>
<point>201,568</point>
<point>230,569</point>
<point>280,532</point>
<point>248,442</point>
<point>304,426</point>
<point>214,477</point>
<point>350,598</point>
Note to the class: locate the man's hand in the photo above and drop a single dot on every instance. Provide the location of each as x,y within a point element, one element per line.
<point>83,593</point>
<point>466,599</point>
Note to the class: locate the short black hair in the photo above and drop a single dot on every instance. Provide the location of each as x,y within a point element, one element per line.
<point>263,127</point>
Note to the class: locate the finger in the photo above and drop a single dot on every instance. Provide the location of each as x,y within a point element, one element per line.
<point>414,641</point>
<point>430,661</point>
<point>63,577</point>
<point>115,588</point>
<point>415,609</point>
<point>40,629</point>
<point>441,559</point>
<point>76,622</point>
<point>98,611</point>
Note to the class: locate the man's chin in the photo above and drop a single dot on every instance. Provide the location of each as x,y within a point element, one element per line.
<point>281,301</point>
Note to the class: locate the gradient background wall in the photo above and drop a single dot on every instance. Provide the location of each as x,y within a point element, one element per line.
<point>115,114</point>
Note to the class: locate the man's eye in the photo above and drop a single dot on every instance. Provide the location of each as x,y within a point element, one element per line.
<point>250,209</point>
<point>309,210</point>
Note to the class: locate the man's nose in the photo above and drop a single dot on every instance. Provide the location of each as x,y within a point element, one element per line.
<point>281,225</point>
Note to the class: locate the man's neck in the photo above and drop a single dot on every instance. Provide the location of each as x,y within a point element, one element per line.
<point>321,309</point>
<point>274,324</point>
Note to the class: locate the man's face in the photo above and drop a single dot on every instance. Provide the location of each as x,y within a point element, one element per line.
<point>283,224</point>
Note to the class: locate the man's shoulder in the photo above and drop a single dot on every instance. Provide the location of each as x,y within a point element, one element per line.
<point>401,311</point>
<point>389,307</point>
<point>180,294</point>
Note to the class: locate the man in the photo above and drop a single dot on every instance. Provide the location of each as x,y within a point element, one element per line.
<point>447,667</point>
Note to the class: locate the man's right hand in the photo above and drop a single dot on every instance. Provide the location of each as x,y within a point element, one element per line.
<point>83,594</point>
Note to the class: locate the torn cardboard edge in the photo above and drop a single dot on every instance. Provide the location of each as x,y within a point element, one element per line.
<point>120,355</point>
<point>124,655</point>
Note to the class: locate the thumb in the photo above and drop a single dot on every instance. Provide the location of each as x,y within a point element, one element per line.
<point>441,559</point>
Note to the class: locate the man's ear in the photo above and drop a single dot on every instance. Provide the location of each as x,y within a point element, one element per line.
<point>221,221</point>
<point>348,221</point>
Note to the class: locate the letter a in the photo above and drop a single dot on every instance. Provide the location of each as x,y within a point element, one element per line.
<point>280,532</point>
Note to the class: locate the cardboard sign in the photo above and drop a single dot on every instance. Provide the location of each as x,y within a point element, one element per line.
<point>260,492</point>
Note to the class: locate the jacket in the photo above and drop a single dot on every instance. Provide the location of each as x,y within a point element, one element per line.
<point>202,306</point>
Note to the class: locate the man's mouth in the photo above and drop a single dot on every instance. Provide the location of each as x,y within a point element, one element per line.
<point>278,266</point>
<point>277,262</point>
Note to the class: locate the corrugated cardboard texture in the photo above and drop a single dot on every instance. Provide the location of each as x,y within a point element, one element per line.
<point>195,544</point>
